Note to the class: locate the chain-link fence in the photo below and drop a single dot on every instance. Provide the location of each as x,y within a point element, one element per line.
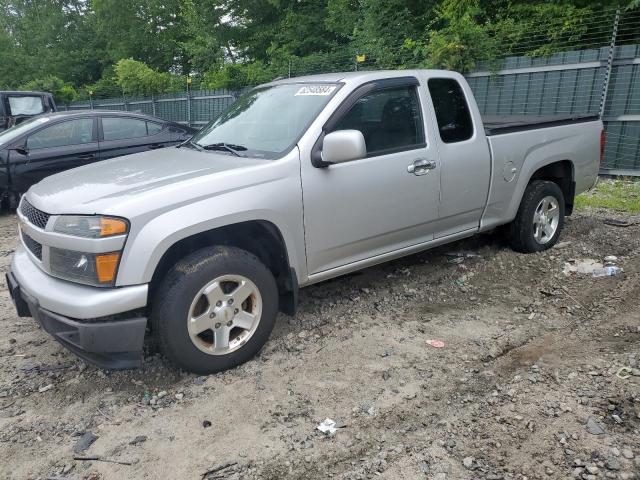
<point>195,108</point>
<point>593,69</point>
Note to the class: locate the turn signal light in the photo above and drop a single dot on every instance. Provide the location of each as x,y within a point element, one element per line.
<point>106,266</point>
<point>112,226</point>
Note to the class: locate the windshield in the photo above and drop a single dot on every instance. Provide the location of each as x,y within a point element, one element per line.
<point>14,132</point>
<point>266,122</point>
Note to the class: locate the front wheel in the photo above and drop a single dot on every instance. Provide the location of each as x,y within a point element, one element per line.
<point>540,218</point>
<point>214,310</point>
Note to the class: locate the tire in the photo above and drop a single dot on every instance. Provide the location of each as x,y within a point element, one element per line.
<point>197,293</point>
<point>527,236</point>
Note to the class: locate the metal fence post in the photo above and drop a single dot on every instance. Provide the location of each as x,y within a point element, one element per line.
<point>153,105</point>
<point>188,106</point>
<point>607,75</point>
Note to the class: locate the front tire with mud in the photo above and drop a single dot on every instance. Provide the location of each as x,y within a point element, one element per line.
<point>214,310</point>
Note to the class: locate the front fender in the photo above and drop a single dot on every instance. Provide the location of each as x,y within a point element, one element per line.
<point>278,202</point>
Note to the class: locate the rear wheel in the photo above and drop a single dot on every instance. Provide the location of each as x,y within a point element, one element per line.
<point>540,218</point>
<point>214,310</point>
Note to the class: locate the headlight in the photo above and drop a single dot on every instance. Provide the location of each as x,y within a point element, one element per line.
<point>90,226</point>
<point>97,269</point>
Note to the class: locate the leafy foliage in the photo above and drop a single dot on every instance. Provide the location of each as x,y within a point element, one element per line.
<point>151,46</point>
<point>136,78</point>
<point>62,91</point>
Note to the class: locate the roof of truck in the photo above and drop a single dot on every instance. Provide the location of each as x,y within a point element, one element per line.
<point>360,76</point>
<point>23,92</point>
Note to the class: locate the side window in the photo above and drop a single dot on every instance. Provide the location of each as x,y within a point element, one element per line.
<point>115,128</point>
<point>452,111</point>
<point>25,105</point>
<point>389,119</point>
<point>153,128</point>
<point>72,132</point>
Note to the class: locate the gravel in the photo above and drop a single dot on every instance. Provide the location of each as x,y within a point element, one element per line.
<point>526,386</point>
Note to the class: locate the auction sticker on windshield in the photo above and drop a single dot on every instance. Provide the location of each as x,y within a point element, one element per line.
<point>321,90</point>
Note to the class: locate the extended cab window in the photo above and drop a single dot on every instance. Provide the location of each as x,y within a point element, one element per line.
<point>72,132</point>
<point>117,128</point>
<point>25,105</point>
<point>389,119</point>
<point>452,110</point>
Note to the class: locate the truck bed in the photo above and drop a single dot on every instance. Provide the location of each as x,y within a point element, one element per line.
<point>501,124</point>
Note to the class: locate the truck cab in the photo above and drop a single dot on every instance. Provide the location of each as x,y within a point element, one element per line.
<point>17,106</point>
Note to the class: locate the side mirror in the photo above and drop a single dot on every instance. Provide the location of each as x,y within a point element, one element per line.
<point>343,146</point>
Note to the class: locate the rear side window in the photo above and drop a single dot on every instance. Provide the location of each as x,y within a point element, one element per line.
<point>72,132</point>
<point>389,119</point>
<point>115,128</point>
<point>452,110</point>
<point>25,105</point>
<point>153,128</point>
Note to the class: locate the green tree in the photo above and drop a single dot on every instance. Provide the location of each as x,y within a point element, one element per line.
<point>48,37</point>
<point>237,75</point>
<point>62,91</point>
<point>137,78</point>
<point>149,31</point>
<point>458,38</point>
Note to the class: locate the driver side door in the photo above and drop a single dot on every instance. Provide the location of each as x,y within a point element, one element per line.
<point>362,209</point>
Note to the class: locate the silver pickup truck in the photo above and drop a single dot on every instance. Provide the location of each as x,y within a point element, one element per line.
<point>301,180</point>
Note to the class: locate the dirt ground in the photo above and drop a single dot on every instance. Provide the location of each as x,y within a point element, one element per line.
<point>528,385</point>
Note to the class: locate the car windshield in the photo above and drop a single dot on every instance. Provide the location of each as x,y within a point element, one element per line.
<point>266,122</point>
<point>14,132</point>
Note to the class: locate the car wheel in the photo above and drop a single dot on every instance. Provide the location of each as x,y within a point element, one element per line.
<point>214,310</point>
<point>540,218</point>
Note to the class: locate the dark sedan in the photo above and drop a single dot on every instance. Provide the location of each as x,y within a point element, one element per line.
<point>48,144</point>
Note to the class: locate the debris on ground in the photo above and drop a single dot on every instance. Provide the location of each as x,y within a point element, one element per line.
<point>46,388</point>
<point>614,222</point>
<point>218,469</point>
<point>582,267</point>
<point>206,423</point>
<point>609,271</point>
<point>624,373</point>
<point>462,253</point>
<point>610,260</point>
<point>457,258</point>
<point>329,427</point>
<point>593,427</point>
<point>435,343</point>
<point>138,440</point>
<point>85,442</point>
<point>97,458</point>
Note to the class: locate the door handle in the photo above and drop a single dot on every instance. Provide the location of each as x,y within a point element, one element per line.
<point>421,166</point>
<point>155,146</point>
<point>87,156</point>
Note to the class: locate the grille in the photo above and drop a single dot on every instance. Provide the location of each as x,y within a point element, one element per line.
<point>35,216</point>
<point>32,245</point>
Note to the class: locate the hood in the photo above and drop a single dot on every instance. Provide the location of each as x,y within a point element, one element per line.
<point>120,179</point>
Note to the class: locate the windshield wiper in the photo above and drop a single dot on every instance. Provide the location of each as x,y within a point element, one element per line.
<point>191,143</point>
<point>229,147</point>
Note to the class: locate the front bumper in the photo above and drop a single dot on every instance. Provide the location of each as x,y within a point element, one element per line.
<point>105,342</point>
